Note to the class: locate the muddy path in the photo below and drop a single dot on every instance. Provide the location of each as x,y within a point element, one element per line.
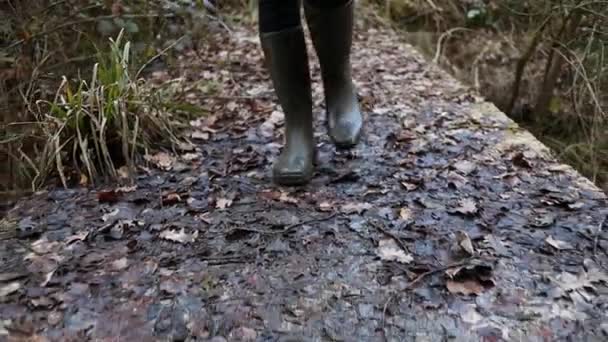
<point>446,223</point>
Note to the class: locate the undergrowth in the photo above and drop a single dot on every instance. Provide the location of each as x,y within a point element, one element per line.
<point>92,128</point>
<point>541,62</point>
<point>76,109</point>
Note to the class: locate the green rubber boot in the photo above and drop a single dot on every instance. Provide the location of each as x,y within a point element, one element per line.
<point>332,30</point>
<point>287,60</point>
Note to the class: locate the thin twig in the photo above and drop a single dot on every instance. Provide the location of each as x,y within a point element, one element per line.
<point>177,41</point>
<point>389,234</point>
<point>299,224</point>
<point>418,279</point>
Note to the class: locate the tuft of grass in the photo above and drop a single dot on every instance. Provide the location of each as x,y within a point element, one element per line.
<point>92,128</point>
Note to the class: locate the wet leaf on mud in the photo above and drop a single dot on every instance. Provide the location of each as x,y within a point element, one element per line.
<point>466,207</point>
<point>179,236</point>
<point>405,214</point>
<point>543,220</point>
<point>389,250</point>
<point>355,208</point>
<point>558,244</point>
<point>9,289</point>
<point>109,196</point>
<point>465,287</point>
<point>470,279</point>
<point>171,198</point>
<point>465,167</point>
<point>119,264</point>
<point>223,203</point>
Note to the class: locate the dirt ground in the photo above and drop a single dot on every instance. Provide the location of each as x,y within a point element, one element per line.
<point>447,223</point>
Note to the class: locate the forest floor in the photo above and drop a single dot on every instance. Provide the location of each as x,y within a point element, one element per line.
<point>447,222</point>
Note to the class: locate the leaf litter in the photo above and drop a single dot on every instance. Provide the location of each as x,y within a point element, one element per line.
<point>435,226</point>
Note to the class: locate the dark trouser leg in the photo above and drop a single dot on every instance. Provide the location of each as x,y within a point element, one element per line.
<point>286,58</point>
<point>331,28</point>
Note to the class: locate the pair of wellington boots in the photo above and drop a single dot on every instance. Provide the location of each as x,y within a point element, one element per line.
<point>286,57</point>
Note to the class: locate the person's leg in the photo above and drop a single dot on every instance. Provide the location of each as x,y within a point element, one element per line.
<point>286,58</point>
<point>331,27</point>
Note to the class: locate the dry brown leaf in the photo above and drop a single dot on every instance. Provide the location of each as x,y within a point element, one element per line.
<point>123,172</point>
<point>464,242</point>
<point>466,287</point>
<point>325,206</point>
<point>171,198</point>
<point>285,198</point>
<point>179,236</point>
<point>389,250</point>
<point>161,160</point>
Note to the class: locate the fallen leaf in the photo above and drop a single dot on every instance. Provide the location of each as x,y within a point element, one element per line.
<point>223,203</point>
<point>123,172</point>
<point>186,146</point>
<point>9,289</point>
<point>559,168</point>
<point>161,160</point>
<point>544,220</point>
<point>467,207</point>
<point>171,198</point>
<point>76,237</point>
<point>285,198</point>
<point>126,189</point>
<point>558,244</point>
<point>471,315</point>
<point>467,287</point>
<point>568,281</point>
<point>522,159</point>
<point>179,236</point>
<point>325,206</point>
<point>200,135</point>
<point>109,196</point>
<point>190,156</point>
<point>465,167</point>
<point>119,264</point>
<point>405,214</point>
<point>464,241</point>
<point>469,279</point>
<point>47,278</point>
<point>576,205</point>
<point>409,186</point>
<point>389,250</point>
<point>243,334</point>
<point>352,208</point>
